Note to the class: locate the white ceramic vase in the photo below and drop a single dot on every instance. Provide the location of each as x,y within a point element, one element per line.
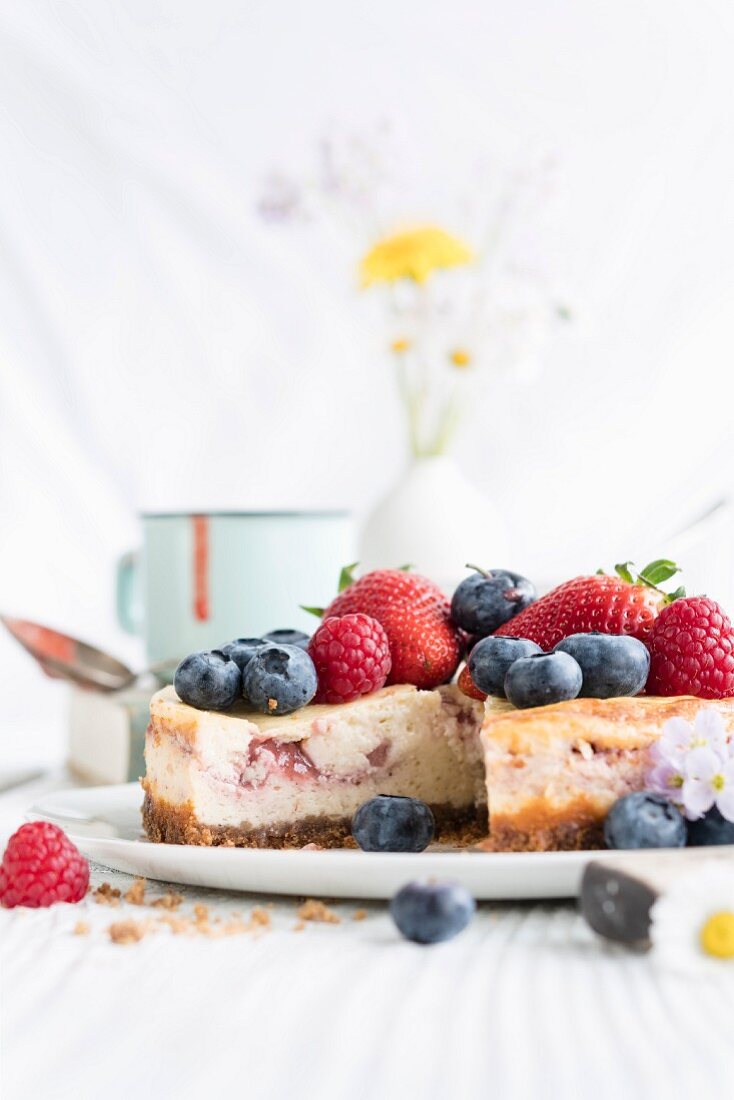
<point>436,520</point>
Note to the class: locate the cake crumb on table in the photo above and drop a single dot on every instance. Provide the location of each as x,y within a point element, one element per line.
<point>127,931</point>
<point>136,894</point>
<point>317,911</point>
<point>168,901</point>
<point>81,928</point>
<point>299,926</point>
<point>178,925</point>
<point>359,914</point>
<point>105,894</point>
<point>259,918</point>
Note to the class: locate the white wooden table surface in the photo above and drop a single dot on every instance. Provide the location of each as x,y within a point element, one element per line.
<point>526,1003</point>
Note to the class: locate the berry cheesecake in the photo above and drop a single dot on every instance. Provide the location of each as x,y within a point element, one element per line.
<point>278,741</point>
<point>255,780</point>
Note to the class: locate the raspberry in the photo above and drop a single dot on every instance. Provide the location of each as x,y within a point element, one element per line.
<point>468,687</point>
<point>41,866</point>
<point>352,657</point>
<point>692,650</point>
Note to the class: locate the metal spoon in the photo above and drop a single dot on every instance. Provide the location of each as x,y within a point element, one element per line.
<point>66,658</point>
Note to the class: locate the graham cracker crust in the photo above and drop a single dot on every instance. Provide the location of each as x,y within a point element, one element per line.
<point>569,836</point>
<point>168,824</point>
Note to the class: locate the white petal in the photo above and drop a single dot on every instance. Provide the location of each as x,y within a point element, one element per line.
<point>676,735</point>
<point>703,763</point>
<point>709,726</point>
<point>697,797</point>
<point>725,802</point>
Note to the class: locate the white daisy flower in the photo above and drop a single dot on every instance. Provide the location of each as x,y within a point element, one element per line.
<point>692,930</point>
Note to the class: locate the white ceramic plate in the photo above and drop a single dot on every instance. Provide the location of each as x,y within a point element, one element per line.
<point>104,823</point>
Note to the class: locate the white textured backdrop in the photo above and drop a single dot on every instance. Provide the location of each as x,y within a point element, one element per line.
<point>161,346</point>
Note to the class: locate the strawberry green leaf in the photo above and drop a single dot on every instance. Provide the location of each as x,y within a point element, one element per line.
<point>659,571</point>
<point>623,570</point>
<point>677,595</point>
<point>405,568</point>
<point>317,611</point>
<point>346,577</point>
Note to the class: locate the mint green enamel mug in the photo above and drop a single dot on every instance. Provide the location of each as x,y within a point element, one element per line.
<point>202,579</point>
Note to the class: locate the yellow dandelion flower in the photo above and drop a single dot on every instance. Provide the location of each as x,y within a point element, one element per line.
<point>399,346</point>
<point>413,254</point>
<point>460,357</point>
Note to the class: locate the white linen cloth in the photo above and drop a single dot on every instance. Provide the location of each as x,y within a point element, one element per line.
<point>526,1003</point>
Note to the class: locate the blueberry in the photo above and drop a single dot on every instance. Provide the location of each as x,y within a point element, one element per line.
<point>643,820</point>
<point>288,637</point>
<point>430,912</point>
<point>279,679</point>
<point>491,658</point>
<point>541,679</point>
<point>487,599</point>
<point>612,664</point>
<point>242,649</point>
<point>208,680</point>
<point>393,823</point>
<point>713,828</point>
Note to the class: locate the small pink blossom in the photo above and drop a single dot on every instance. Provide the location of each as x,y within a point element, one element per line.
<point>679,736</point>
<point>709,781</point>
<point>693,765</point>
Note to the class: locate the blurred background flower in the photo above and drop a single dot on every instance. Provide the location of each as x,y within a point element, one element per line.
<point>454,307</point>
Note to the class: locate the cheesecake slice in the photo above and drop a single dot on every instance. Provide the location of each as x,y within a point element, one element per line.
<point>252,780</point>
<point>553,772</point>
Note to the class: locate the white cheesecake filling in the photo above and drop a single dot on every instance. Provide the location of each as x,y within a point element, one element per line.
<point>243,770</point>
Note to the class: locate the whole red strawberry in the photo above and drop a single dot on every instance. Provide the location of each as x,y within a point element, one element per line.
<point>609,604</point>
<point>352,657</point>
<point>692,650</point>
<point>41,866</point>
<point>382,588</point>
<point>425,647</point>
<point>468,687</point>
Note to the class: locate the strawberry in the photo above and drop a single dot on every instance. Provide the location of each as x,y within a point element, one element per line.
<point>622,604</point>
<point>468,687</point>
<point>425,646</point>
<point>382,588</point>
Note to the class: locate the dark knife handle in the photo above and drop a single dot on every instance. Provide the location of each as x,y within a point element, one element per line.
<point>618,891</point>
<point>616,904</point>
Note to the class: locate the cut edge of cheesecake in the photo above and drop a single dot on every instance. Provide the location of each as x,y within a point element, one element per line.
<point>243,779</point>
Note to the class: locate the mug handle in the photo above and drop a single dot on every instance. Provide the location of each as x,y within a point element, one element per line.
<point>129,603</point>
